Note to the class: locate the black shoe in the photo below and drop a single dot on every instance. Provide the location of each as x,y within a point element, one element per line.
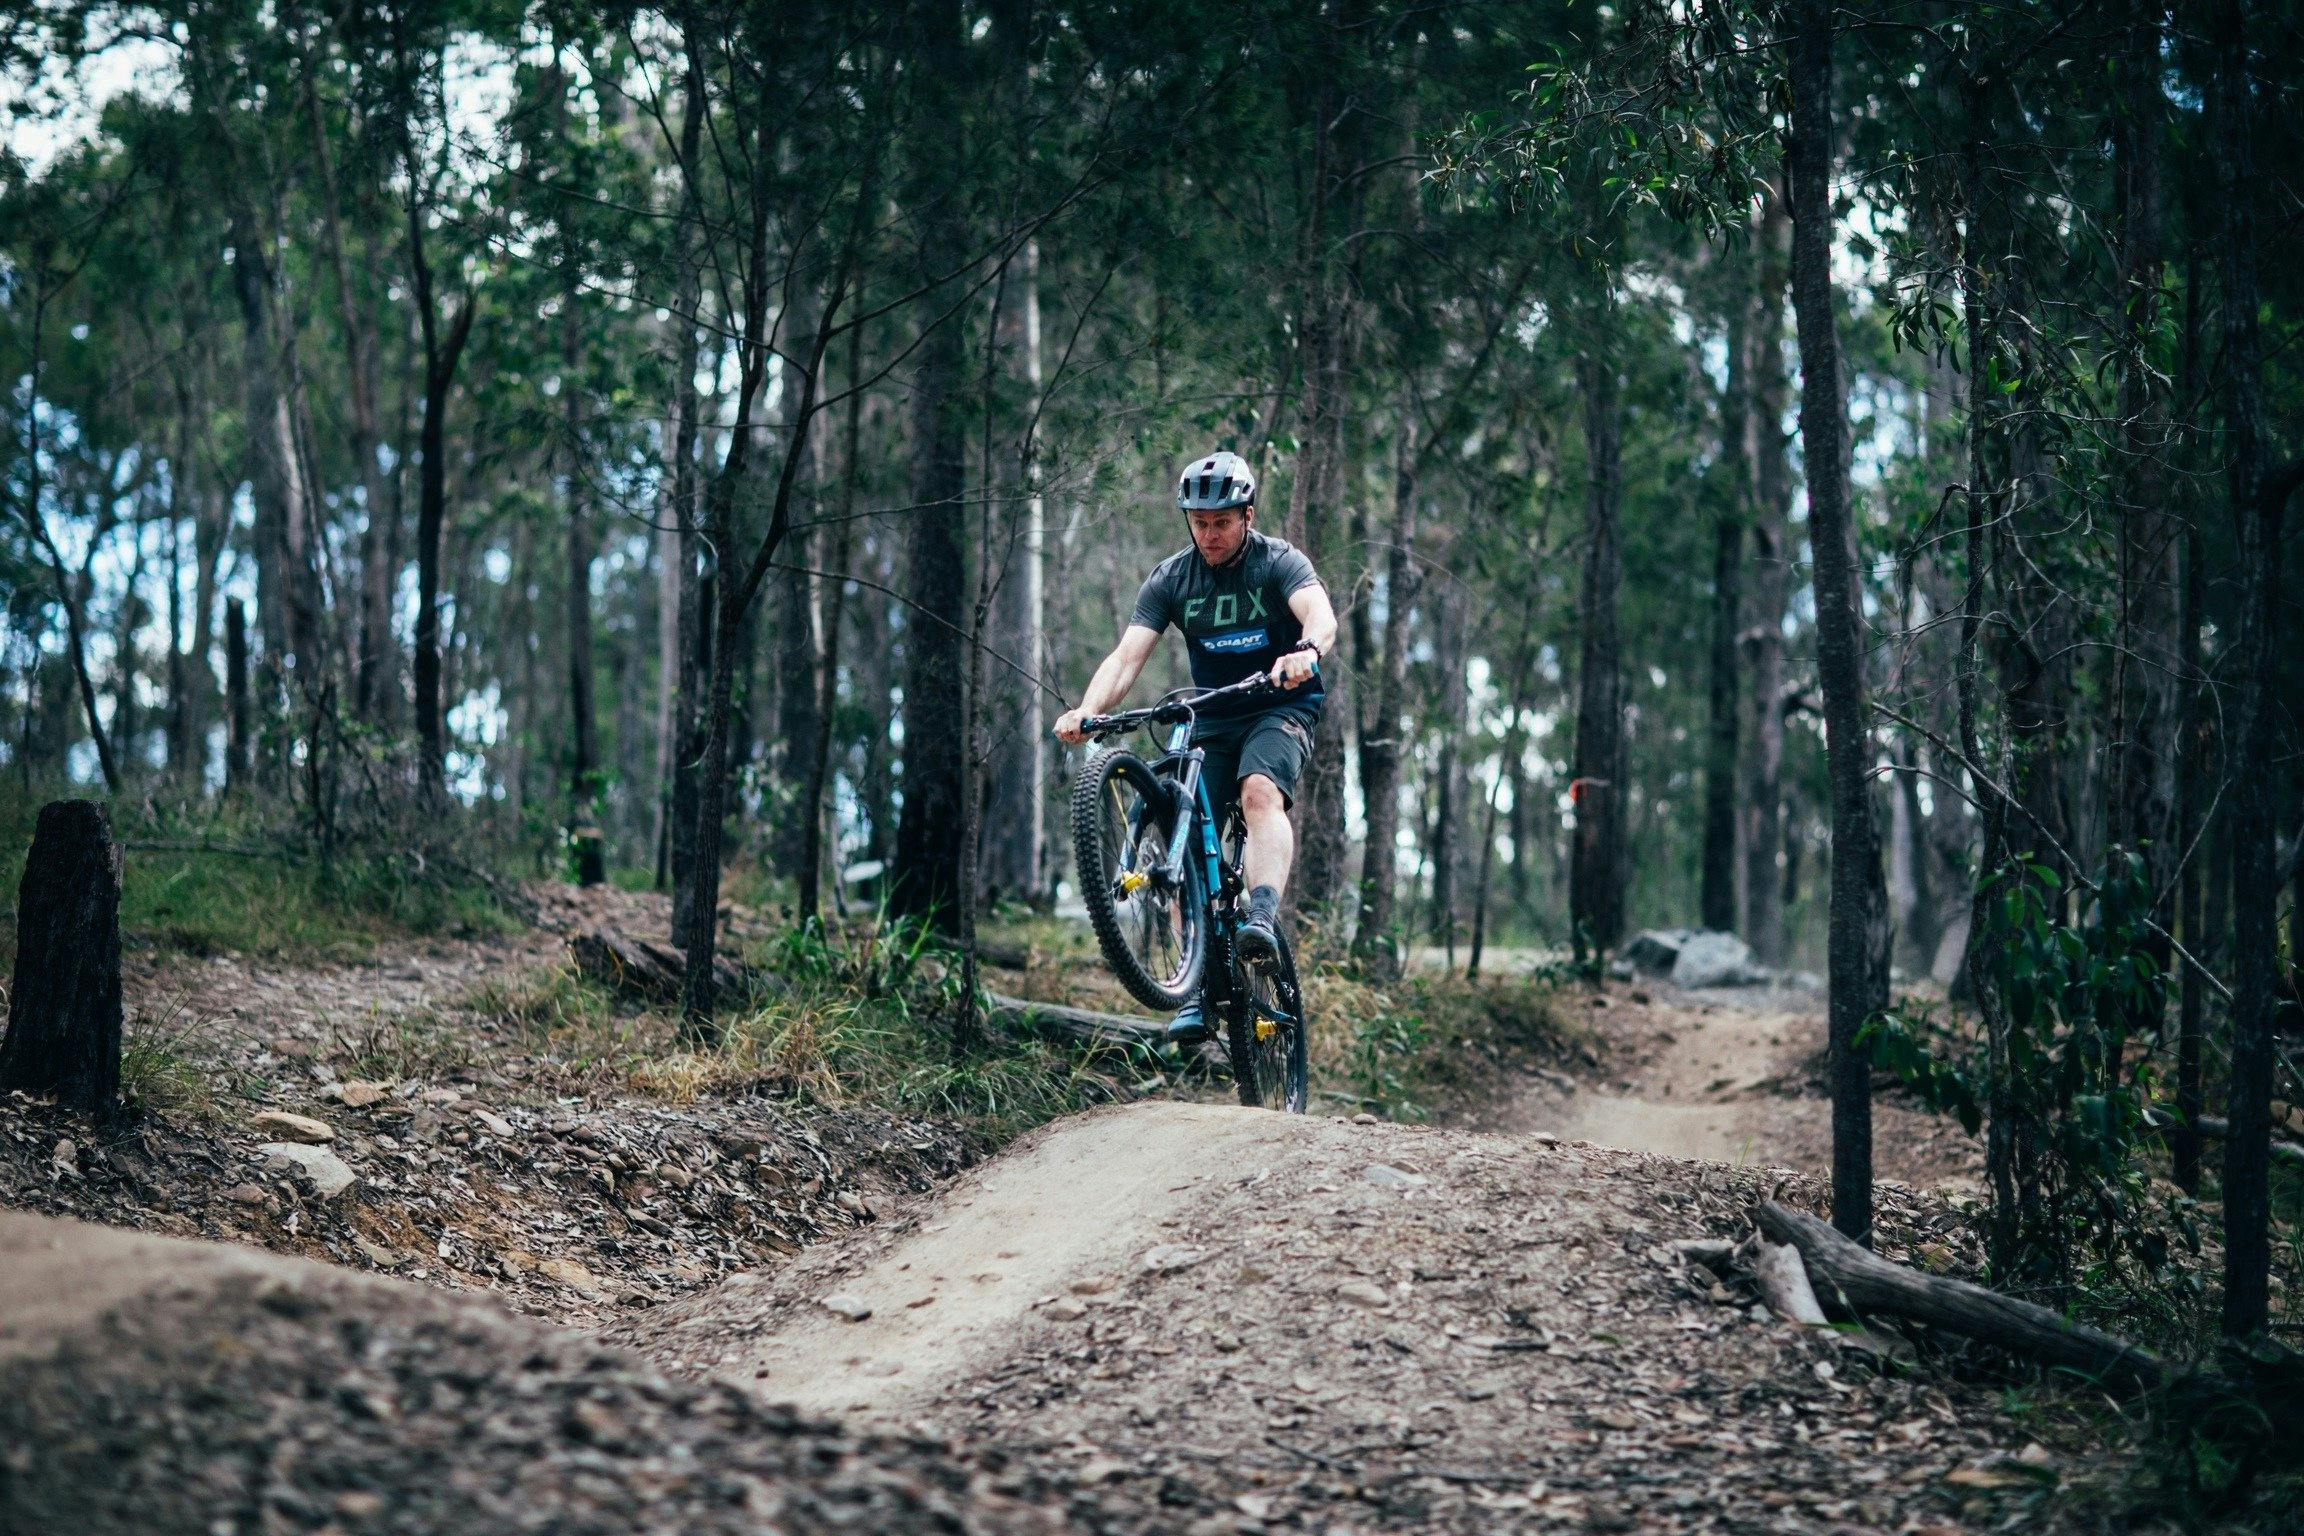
<point>1259,945</point>
<point>1188,1028</point>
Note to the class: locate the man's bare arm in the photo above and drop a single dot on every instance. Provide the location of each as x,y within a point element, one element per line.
<point>1318,616</point>
<point>1114,677</point>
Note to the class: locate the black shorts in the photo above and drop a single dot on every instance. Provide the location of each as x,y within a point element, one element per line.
<point>1273,743</point>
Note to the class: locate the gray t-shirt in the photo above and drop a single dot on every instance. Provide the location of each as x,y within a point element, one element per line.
<point>1235,621</point>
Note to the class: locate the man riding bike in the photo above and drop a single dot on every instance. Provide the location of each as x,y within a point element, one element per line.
<point>1246,604</point>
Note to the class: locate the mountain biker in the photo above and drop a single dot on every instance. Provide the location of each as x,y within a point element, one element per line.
<point>1245,604</point>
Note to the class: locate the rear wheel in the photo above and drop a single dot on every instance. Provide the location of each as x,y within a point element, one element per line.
<point>1154,936</point>
<point>1266,1032</point>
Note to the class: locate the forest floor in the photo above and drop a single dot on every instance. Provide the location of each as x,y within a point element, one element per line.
<point>1157,1316</point>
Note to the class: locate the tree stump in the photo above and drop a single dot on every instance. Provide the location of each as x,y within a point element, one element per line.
<point>64,1015</point>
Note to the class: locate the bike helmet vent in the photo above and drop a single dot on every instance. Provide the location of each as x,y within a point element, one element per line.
<point>1218,481</point>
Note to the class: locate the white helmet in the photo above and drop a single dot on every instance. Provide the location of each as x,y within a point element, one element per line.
<point>1218,481</point>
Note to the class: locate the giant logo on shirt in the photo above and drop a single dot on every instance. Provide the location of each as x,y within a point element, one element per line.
<point>1238,640</point>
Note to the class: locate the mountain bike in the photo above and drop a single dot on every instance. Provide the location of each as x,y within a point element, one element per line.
<point>1162,883</point>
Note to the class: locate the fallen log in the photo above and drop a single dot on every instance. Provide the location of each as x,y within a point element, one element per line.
<point>1077,1023</point>
<point>1783,1282</point>
<point>2216,1128</point>
<point>644,968</point>
<point>1004,954</point>
<point>1861,1282</point>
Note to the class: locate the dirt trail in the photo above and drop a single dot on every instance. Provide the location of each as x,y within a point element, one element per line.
<point>1076,1202</point>
<point>1238,1322</point>
<point>1726,1076</point>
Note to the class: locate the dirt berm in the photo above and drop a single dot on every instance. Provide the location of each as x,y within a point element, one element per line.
<point>155,1386</point>
<point>1176,1317</point>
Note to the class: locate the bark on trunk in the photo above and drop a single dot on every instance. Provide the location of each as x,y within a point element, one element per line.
<point>1596,872</point>
<point>810,876</point>
<point>2258,500</point>
<point>2193,775</point>
<point>288,588</point>
<point>239,727</point>
<point>1718,896</point>
<point>1858,968</point>
<point>680,627</point>
<point>1448,858</point>
<point>1317,498</point>
<point>2146,740</point>
<point>372,669</point>
<point>1771,581</point>
<point>583,734</point>
<point>1315,504</point>
<point>64,1016</point>
<point>1382,728</point>
<point>927,875</point>
<point>799,632</point>
<point>1016,799</point>
<point>441,356</point>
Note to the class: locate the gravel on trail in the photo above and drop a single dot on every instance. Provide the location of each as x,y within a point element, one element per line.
<point>244,1396</point>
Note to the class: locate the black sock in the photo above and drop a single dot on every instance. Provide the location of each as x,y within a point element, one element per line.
<point>1264,902</point>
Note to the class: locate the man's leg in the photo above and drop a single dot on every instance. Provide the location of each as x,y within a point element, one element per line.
<point>1271,762</point>
<point>1264,861</point>
<point>1221,744</point>
<point>1271,846</point>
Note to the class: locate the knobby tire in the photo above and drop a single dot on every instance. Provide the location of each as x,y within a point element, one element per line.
<point>1090,790</point>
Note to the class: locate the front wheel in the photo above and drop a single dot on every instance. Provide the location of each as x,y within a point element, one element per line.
<point>1155,938</point>
<point>1266,1032</point>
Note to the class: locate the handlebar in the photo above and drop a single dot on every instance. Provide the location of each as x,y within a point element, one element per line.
<point>1178,709</point>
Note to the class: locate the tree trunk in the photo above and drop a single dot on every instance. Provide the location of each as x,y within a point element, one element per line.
<point>2258,500</point>
<point>1858,918</point>
<point>2146,739</point>
<point>677,620</point>
<point>372,670</point>
<point>1596,873</point>
<point>239,739</point>
<point>1382,729</point>
<point>275,470</point>
<point>927,875</point>
<point>1318,493</point>
<point>441,356</point>
<point>2191,790</point>
<point>812,809</point>
<point>1448,855</point>
<point>64,1014</point>
<point>1771,580</point>
<point>583,734</point>
<point>1016,802</point>
<point>1316,499</point>
<point>1718,897</point>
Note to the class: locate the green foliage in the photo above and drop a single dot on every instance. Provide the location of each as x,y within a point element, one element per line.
<point>242,882</point>
<point>2072,1099</point>
<point>1385,1052</point>
<point>1427,1043</point>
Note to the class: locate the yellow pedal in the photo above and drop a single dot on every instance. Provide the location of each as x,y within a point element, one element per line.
<point>1266,1029</point>
<point>1134,881</point>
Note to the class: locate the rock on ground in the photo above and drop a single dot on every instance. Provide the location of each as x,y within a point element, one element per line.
<point>1655,950</point>
<point>1716,960</point>
<point>247,1393</point>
